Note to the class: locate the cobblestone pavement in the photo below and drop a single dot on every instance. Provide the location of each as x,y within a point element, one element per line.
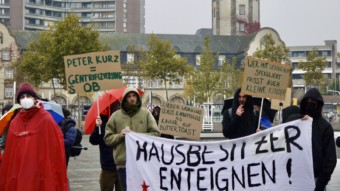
<point>84,172</point>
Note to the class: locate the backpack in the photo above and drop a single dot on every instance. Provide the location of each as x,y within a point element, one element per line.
<point>75,150</point>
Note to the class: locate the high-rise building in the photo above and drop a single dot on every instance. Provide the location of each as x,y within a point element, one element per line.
<point>235,17</point>
<point>122,16</point>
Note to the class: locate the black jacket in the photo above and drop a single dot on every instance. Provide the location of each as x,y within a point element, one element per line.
<point>323,145</point>
<point>235,126</point>
<point>106,156</point>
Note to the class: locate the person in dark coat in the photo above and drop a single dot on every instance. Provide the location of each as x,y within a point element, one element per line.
<point>241,119</point>
<point>109,176</point>
<point>290,113</point>
<point>156,113</point>
<point>68,127</point>
<point>323,145</point>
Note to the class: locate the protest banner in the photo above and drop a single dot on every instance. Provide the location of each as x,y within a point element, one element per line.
<point>181,120</point>
<point>265,78</point>
<point>279,158</point>
<point>93,72</point>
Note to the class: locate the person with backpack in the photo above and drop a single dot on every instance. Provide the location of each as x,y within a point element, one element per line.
<point>108,179</point>
<point>68,127</point>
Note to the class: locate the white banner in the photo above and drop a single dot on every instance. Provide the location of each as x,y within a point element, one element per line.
<point>279,158</point>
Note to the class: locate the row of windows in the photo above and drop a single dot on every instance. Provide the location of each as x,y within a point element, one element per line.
<point>103,4</point>
<point>139,82</point>
<point>221,59</point>
<point>300,76</point>
<point>295,65</point>
<point>305,53</point>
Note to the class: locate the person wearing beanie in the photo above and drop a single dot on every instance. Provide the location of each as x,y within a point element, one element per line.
<point>131,117</point>
<point>35,142</point>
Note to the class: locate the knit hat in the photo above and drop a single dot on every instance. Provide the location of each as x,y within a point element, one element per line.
<point>25,88</point>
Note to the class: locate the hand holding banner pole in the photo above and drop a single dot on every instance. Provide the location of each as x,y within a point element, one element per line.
<point>99,128</point>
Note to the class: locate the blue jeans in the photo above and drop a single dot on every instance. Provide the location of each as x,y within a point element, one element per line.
<point>122,178</point>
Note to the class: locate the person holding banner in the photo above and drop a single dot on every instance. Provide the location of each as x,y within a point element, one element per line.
<point>240,120</point>
<point>131,117</point>
<point>156,113</point>
<point>108,179</point>
<point>323,145</point>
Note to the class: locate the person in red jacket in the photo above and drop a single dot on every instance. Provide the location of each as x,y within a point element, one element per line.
<point>34,158</point>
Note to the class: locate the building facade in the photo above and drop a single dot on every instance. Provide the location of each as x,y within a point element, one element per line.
<point>121,16</point>
<point>8,55</point>
<point>235,17</point>
<point>187,46</point>
<point>331,72</point>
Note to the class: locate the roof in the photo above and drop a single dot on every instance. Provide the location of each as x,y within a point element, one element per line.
<point>183,43</point>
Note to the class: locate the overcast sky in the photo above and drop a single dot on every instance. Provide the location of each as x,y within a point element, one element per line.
<point>298,22</point>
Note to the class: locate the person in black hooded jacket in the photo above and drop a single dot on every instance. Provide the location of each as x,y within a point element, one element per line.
<point>241,119</point>
<point>323,145</point>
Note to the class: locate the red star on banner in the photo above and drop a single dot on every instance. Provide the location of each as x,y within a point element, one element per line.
<point>145,186</point>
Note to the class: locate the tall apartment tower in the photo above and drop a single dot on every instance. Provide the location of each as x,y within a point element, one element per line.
<point>123,16</point>
<point>235,17</point>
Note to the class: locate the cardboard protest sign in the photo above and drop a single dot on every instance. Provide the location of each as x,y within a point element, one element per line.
<point>93,72</point>
<point>265,78</point>
<point>181,120</point>
<point>279,158</point>
<point>280,104</point>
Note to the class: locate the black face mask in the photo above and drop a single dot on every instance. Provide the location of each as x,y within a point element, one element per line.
<point>311,109</point>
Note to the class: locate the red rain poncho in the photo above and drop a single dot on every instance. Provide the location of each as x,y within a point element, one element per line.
<point>34,158</point>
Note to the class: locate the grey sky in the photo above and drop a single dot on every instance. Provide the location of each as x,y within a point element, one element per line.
<point>298,22</point>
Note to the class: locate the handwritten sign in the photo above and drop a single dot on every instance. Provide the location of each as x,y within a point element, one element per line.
<point>181,120</point>
<point>93,72</point>
<point>264,78</point>
<point>280,104</point>
<point>279,158</point>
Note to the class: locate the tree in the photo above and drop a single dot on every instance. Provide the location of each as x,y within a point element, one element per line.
<point>162,63</point>
<point>43,60</point>
<point>271,51</point>
<point>313,67</point>
<point>230,76</point>
<point>204,82</point>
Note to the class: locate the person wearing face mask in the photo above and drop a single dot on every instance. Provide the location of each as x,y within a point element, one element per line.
<point>34,157</point>
<point>323,145</point>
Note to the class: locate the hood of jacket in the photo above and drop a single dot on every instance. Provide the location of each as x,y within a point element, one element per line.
<point>312,93</point>
<point>126,91</point>
<point>248,106</point>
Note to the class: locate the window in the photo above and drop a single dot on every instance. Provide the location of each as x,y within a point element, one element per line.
<point>150,84</point>
<point>56,83</point>
<point>242,9</point>
<point>221,60</point>
<point>124,25</point>
<point>130,58</point>
<point>125,15</point>
<point>6,55</point>
<point>242,27</point>
<point>124,5</point>
<point>9,73</point>
<point>198,60</point>
<point>8,92</point>
<point>179,85</point>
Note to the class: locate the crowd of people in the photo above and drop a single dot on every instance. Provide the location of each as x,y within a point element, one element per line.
<point>41,147</point>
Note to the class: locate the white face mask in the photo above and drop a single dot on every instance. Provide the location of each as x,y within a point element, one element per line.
<point>27,103</point>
